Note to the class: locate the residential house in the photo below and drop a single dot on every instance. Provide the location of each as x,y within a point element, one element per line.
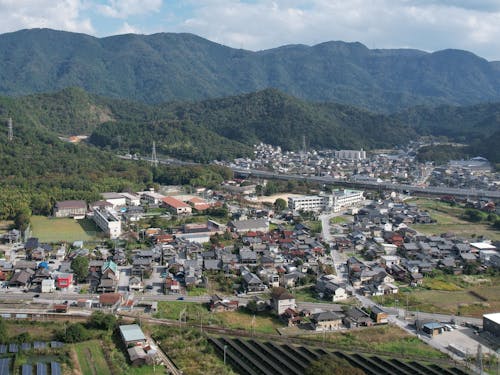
<point>326,321</point>
<point>281,300</point>
<point>135,284</point>
<point>355,317</point>
<point>218,304</point>
<point>111,300</point>
<point>252,283</point>
<point>379,315</point>
<point>176,206</point>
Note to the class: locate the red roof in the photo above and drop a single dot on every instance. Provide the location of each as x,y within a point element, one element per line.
<point>175,203</point>
<point>109,298</point>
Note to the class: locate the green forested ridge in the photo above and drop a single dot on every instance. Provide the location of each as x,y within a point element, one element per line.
<point>165,66</point>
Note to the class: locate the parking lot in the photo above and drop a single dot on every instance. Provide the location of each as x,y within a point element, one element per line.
<point>464,338</point>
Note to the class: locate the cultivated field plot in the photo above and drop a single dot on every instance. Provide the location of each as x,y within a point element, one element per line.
<point>91,358</point>
<point>62,229</point>
<point>455,295</point>
<point>448,220</point>
<point>254,358</point>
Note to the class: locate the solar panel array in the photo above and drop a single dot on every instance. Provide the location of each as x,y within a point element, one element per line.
<point>41,369</point>
<point>3,349</point>
<point>27,370</point>
<point>55,368</point>
<point>13,348</point>
<point>4,366</point>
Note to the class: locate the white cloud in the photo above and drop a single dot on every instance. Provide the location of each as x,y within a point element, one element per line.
<point>62,15</point>
<point>423,24</point>
<point>126,28</point>
<point>124,8</point>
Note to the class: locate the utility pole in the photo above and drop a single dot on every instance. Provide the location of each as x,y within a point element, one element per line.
<point>10,135</point>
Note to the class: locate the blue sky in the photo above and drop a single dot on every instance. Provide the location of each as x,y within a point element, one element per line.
<point>429,25</point>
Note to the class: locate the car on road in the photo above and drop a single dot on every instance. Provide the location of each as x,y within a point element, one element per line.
<point>36,296</point>
<point>180,298</point>
<point>149,287</point>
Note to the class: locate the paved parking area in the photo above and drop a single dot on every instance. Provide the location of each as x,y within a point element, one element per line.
<point>463,338</point>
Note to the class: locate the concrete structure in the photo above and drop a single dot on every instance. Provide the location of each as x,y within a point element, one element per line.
<point>336,202</point>
<point>75,209</point>
<point>131,199</point>
<point>48,286</point>
<point>308,203</point>
<point>253,225</point>
<point>345,199</point>
<point>116,199</point>
<point>152,197</point>
<point>109,221</point>
<point>351,154</point>
<point>491,324</point>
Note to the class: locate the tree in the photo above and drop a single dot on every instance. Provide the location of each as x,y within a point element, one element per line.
<point>100,320</point>
<point>80,266</point>
<point>73,333</point>
<point>3,331</point>
<point>22,219</point>
<point>280,204</point>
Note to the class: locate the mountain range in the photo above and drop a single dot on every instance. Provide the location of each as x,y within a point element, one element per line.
<point>166,67</point>
<point>228,127</point>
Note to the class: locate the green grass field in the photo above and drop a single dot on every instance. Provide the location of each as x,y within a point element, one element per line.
<point>240,319</point>
<point>54,230</point>
<point>91,358</point>
<point>448,220</point>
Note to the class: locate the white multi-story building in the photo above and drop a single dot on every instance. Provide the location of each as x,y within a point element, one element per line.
<point>336,202</point>
<point>109,221</point>
<point>308,203</point>
<point>346,198</point>
<point>351,154</point>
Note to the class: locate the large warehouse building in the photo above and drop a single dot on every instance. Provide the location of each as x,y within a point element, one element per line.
<point>491,324</point>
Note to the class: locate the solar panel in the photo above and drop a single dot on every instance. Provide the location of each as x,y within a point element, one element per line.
<point>41,369</point>
<point>13,348</point>
<point>39,345</point>
<point>27,370</point>
<point>56,344</point>
<point>3,349</point>
<point>4,366</point>
<point>25,346</point>
<point>55,368</point>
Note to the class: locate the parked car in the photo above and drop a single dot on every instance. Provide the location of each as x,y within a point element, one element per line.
<point>180,298</point>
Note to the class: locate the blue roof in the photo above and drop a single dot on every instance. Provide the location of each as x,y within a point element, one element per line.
<point>132,332</point>
<point>433,325</point>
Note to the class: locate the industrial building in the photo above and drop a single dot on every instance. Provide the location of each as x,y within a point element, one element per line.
<point>491,324</point>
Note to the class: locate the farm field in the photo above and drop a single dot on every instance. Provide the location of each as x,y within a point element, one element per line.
<point>457,295</point>
<point>385,338</point>
<point>91,358</point>
<point>448,220</point>
<point>231,319</point>
<point>190,351</point>
<point>63,229</point>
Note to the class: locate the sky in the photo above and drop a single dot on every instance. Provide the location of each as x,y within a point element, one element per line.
<point>429,25</point>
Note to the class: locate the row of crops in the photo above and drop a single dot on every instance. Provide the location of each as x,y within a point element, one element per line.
<point>256,358</point>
